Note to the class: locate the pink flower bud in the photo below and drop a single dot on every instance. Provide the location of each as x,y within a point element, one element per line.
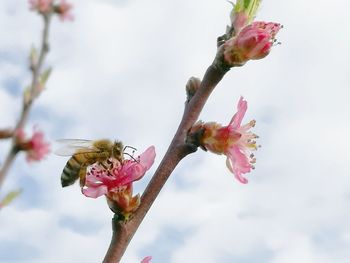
<point>146,259</point>
<point>63,9</point>
<point>42,6</point>
<point>254,41</point>
<point>36,147</point>
<point>240,20</point>
<point>39,148</point>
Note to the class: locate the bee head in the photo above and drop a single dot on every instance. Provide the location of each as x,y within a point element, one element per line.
<point>117,149</point>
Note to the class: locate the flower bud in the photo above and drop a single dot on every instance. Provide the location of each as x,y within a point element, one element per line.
<point>42,6</point>
<point>36,148</point>
<point>252,42</point>
<point>243,13</point>
<point>33,58</point>
<point>192,86</point>
<point>146,259</point>
<point>63,9</point>
<point>27,96</point>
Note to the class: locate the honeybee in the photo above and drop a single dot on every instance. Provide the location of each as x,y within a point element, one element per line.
<point>85,153</point>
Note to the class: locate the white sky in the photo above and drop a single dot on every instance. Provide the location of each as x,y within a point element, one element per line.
<point>119,72</point>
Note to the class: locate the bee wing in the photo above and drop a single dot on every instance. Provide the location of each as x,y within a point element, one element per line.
<point>69,147</point>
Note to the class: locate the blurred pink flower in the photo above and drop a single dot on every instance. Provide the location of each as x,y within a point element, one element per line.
<point>146,259</point>
<point>36,147</point>
<point>233,140</point>
<point>63,9</point>
<point>253,41</point>
<point>42,6</point>
<point>39,148</point>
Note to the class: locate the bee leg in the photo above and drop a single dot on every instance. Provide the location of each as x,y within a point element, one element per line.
<point>104,159</point>
<point>82,174</point>
<point>103,165</point>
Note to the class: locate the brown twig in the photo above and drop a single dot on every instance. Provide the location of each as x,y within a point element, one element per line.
<point>178,149</point>
<point>6,133</point>
<point>36,70</point>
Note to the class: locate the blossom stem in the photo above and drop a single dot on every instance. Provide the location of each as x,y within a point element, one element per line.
<point>36,69</point>
<point>178,149</point>
<point>119,242</point>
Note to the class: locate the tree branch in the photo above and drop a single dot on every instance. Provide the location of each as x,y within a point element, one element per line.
<point>178,149</point>
<point>36,69</point>
<point>6,133</point>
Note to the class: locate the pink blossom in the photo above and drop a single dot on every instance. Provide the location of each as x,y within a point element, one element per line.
<point>36,147</point>
<point>233,140</point>
<point>39,148</point>
<point>114,179</point>
<point>253,41</point>
<point>42,6</point>
<point>63,9</point>
<point>146,259</point>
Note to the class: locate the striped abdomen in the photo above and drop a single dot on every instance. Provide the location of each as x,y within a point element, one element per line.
<point>76,164</point>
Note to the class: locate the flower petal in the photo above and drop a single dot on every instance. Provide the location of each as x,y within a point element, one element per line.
<point>238,163</point>
<point>147,157</point>
<point>95,191</point>
<point>236,120</point>
<point>131,171</point>
<point>146,259</point>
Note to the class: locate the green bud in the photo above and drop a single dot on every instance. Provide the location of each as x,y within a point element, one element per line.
<point>45,76</point>
<point>249,7</point>
<point>33,57</point>
<point>10,197</point>
<point>27,95</point>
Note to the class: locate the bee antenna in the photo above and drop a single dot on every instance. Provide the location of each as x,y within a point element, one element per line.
<point>133,149</point>
<point>127,146</point>
<point>132,157</point>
